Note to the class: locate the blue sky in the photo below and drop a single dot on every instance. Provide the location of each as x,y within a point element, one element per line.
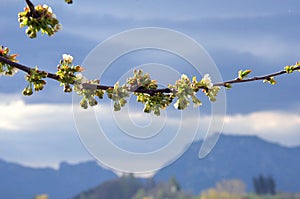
<point>259,35</point>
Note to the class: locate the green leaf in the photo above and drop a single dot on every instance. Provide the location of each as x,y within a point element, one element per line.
<point>243,74</point>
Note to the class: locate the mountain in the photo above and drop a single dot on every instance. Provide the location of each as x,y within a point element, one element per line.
<point>236,157</point>
<point>17,181</point>
<point>233,157</point>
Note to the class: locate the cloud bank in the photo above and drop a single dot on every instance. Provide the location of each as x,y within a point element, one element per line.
<point>45,134</point>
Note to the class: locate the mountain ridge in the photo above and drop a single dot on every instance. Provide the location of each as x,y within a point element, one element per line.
<point>264,159</point>
<point>233,157</point>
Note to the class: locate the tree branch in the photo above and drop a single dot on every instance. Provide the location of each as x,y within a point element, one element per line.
<point>142,90</point>
<point>137,90</point>
<point>85,85</point>
<point>25,68</point>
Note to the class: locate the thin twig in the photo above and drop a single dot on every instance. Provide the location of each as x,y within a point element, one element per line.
<point>33,13</point>
<point>30,5</point>
<point>265,77</point>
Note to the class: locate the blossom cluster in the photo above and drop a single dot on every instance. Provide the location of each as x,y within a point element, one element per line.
<point>287,69</point>
<point>141,80</point>
<point>187,89</point>
<point>152,102</point>
<point>35,80</point>
<point>209,89</point>
<point>183,90</point>
<point>6,69</point>
<point>156,102</point>
<point>118,94</point>
<point>66,72</point>
<point>291,68</point>
<point>41,18</point>
<point>87,89</point>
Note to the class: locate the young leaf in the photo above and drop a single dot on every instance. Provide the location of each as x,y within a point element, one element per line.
<point>243,74</point>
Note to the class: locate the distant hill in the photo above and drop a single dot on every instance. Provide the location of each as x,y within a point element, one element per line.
<point>241,157</point>
<point>120,188</point>
<point>129,187</point>
<point>19,182</point>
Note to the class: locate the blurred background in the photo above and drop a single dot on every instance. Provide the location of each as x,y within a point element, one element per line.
<point>41,153</point>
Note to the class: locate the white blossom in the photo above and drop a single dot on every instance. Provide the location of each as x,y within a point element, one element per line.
<point>80,79</point>
<point>67,58</point>
<point>57,27</point>
<point>54,16</point>
<point>48,8</point>
<point>207,81</point>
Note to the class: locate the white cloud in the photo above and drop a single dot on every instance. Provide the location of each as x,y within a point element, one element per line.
<point>275,126</point>
<point>18,116</point>
<point>45,134</point>
<point>38,135</point>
